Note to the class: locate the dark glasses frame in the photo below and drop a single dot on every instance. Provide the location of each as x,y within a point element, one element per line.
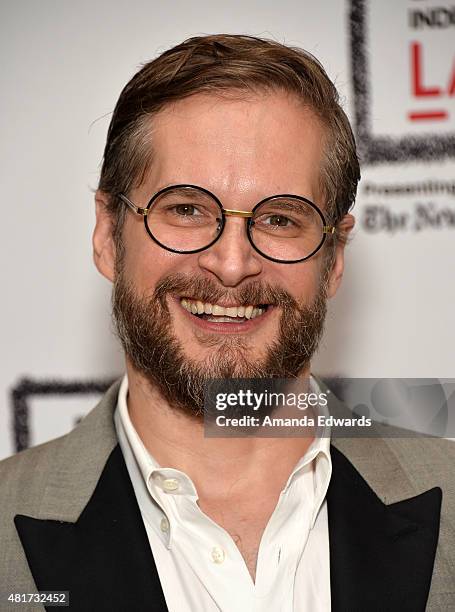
<point>226,212</point>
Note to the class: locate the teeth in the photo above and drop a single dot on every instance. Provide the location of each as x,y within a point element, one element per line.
<point>256,312</point>
<point>218,310</point>
<point>232,312</point>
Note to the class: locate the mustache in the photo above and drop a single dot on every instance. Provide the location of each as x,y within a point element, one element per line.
<point>206,290</point>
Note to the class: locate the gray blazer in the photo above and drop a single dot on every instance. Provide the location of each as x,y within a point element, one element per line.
<point>69,520</point>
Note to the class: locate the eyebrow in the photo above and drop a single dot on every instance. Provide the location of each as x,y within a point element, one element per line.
<point>296,206</point>
<point>285,201</point>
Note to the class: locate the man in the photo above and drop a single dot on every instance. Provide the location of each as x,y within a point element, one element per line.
<point>222,218</point>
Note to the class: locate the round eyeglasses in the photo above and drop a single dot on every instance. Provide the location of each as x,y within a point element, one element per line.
<point>189,219</point>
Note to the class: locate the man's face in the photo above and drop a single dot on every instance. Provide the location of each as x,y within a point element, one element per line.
<point>242,150</point>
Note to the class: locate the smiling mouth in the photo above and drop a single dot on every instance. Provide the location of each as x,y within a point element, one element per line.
<point>216,313</point>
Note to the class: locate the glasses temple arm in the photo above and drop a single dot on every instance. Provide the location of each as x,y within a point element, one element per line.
<point>137,209</point>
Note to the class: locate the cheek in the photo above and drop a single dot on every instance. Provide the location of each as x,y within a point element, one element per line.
<point>142,257</point>
<point>301,281</point>
<point>145,262</point>
<point>147,266</point>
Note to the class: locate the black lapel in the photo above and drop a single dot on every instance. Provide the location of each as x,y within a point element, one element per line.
<point>104,559</point>
<point>381,557</point>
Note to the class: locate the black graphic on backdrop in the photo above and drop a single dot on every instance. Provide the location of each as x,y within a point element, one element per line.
<point>374,149</point>
<point>28,389</point>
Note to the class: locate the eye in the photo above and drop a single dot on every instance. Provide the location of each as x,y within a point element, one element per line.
<point>278,221</point>
<point>186,210</point>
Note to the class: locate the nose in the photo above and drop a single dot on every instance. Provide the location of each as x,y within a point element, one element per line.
<point>232,259</point>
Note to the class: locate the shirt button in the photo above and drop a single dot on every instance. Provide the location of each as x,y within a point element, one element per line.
<point>164,525</point>
<point>218,555</point>
<point>170,484</point>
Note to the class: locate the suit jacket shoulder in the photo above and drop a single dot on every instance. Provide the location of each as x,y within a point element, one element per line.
<point>30,478</point>
<point>52,480</point>
<point>398,468</point>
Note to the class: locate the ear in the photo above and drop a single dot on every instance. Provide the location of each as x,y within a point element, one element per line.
<point>103,240</point>
<point>336,273</point>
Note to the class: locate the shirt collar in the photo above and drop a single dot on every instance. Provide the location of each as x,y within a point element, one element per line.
<point>154,475</point>
<point>318,454</point>
<point>144,459</point>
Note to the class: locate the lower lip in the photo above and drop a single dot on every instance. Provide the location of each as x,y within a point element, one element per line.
<point>226,328</point>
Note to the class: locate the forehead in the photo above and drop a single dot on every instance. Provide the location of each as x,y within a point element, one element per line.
<point>243,146</point>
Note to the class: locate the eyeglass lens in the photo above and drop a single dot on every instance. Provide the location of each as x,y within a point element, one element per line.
<point>188,219</point>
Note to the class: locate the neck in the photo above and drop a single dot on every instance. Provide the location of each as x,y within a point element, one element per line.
<point>214,464</point>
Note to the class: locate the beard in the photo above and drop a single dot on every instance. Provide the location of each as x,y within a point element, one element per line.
<point>144,326</point>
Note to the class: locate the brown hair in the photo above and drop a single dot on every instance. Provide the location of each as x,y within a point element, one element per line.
<point>225,63</point>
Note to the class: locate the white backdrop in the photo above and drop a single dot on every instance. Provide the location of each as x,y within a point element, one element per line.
<point>64,64</point>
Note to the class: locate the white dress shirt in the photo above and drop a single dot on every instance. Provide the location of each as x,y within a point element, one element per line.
<point>198,563</point>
